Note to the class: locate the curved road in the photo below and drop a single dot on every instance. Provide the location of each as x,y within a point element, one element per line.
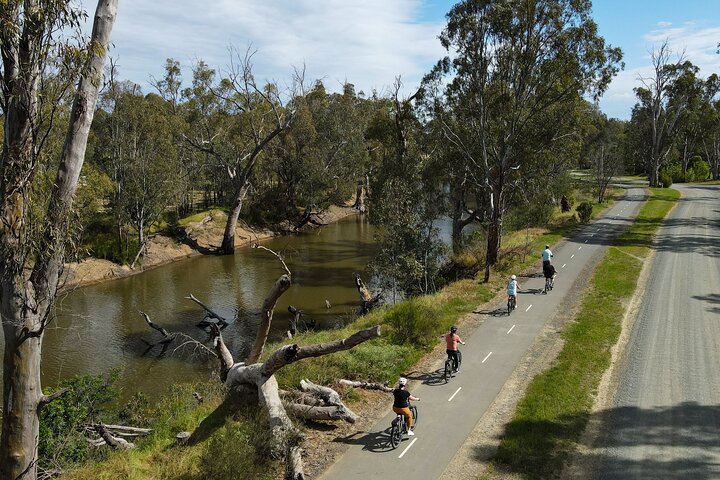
<point>449,412</point>
<point>665,418</point>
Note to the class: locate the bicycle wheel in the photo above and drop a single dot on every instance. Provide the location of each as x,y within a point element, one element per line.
<point>448,370</point>
<point>395,433</point>
<point>459,359</point>
<point>414,412</point>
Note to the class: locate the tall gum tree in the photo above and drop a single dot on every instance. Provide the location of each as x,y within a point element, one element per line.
<point>517,68</point>
<point>31,264</point>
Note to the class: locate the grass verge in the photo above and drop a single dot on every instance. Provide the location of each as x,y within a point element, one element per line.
<point>551,417</point>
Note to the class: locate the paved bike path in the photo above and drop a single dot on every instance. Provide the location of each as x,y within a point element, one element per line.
<point>449,412</point>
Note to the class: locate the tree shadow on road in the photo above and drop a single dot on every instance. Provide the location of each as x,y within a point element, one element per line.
<point>713,298</point>
<point>685,437</point>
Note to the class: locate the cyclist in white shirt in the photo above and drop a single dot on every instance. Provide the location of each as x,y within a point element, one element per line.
<point>546,255</point>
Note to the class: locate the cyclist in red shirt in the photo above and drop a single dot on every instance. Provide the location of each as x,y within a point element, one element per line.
<point>451,340</point>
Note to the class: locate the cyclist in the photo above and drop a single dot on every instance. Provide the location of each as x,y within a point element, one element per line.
<point>546,255</point>
<point>451,340</point>
<point>401,403</point>
<point>549,272</point>
<point>512,288</point>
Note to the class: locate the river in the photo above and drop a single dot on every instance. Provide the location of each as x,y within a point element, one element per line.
<point>99,327</point>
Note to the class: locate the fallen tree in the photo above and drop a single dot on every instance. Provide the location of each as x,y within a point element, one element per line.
<point>253,381</point>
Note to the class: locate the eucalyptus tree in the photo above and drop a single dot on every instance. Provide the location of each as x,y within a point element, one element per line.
<point>406,201</point>
<point>710,125</point>
<point>517,69</point>
<point>31,261</point>
<point>232,123</point>
<point>663,100</point>
<point>147,163</point>
<point>605,151</point>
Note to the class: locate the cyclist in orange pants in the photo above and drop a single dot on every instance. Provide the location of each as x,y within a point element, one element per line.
<point>401,403</point>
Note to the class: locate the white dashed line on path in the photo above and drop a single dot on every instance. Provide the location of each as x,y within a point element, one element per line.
<point>585,241</point>
<point>453,395</point>
<point>511,329</point>
<point>580,247</point>
<point>407,448</point>
<point>563,265</point>
<point>571,256</point>
<point>486,357</point>
<point>528,308</point>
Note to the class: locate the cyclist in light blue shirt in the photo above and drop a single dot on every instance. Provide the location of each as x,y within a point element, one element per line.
<point>546,255</point>
<point>513,286</point>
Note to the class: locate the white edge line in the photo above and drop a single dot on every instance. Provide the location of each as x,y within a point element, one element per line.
<point>453,395</point>
<point>528,308</point>
<point>407,448</point>
<point>563,265</point>
<point>511,329</point>
<point>486,357</point>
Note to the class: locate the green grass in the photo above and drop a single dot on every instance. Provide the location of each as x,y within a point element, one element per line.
<point>554,411</point>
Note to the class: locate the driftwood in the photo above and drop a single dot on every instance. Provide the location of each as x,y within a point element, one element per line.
<point>310,216</point>
<point>366,385</point>
<point>169,337</point>
<point>208,313</point>
<point>115,443</point>
<point>367,300</point>
<point>297,315</point>
<point>294,464</point>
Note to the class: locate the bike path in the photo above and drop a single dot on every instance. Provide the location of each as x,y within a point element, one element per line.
<point>448,412</point>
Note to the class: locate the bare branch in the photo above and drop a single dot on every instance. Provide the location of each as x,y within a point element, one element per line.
<point>292,353</point>
<point>280,286</point>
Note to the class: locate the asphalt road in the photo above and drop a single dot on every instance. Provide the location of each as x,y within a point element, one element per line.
<point>449,412</point>
<point>665,418</point>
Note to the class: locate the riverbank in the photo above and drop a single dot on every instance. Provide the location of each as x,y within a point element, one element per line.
<point>201,237</point>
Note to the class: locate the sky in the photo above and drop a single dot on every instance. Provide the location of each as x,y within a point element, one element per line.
<point>371,42</point>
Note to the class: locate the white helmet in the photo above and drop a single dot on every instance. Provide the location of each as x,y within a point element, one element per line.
<point>402,381</point>
<point>512,277</point>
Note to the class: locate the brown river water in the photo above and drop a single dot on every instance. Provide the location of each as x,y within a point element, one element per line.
<point>99,327</point>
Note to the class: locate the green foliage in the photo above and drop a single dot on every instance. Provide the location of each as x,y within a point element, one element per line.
<point>239,450</point>
<point>666,179</point>
<point>698,170</point>
<point>413,322</point>
<point>584,211</point>
<point>61,439</point>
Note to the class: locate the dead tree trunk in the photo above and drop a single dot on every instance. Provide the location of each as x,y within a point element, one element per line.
<point>367,300</point>
<point>27,300</point>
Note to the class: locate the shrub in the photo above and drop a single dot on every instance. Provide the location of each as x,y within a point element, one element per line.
<point>61,439</point>
<point>412,322</point>
<point>666,179</point>
<point>584,211</point>
<point>698,170</point>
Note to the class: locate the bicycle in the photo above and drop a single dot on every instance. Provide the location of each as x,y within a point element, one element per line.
<point>511,303</point>
<point>448,371</point>
<point>549,281</point>
<point>398,427</point>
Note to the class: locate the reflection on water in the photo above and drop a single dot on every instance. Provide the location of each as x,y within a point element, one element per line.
<point>99,327</point>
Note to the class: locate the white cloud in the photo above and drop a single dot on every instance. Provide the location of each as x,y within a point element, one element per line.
<point>664,24</point>
<point>366,43</point>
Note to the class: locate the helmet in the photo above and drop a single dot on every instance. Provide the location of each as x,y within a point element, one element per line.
<point>453,329</point>
<point>402,381</point>
<point>512,277</point>
<point>547,246</point>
